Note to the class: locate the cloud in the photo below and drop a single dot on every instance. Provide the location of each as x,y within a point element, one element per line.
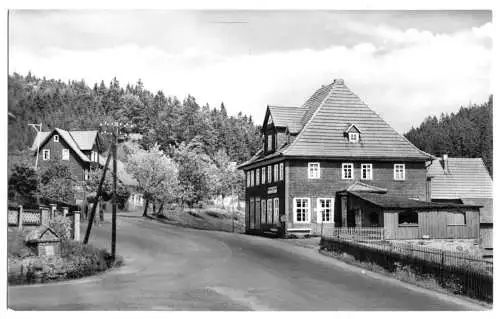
<point>412,74</point>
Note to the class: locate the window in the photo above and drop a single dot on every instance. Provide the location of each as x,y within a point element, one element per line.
<point>257,176</point>
<point>263,217</point>
<point>56,138</point>
<point>313,170</point>
<point>347,171</point>
<point>325,210</point>
<point>263,175</point>
<point>252,212</point>
<point>276,211</point>
<point>248,178</point>
<point>409,218</point>
<point>276,168</point>
<point>65,154</point>
<point>282,171</point>
<point>269,174</point>
<point>269,211</point>
<point>251,178</point>
<point>399,172</point>
<point>269,143</point>
<point>46,155</point>
<point>247,214</point>
<point>353,137</point>
<point>301,209</point>
<point>258,215</point>
<point>455,218</point>
<point>374,219</point>
<point>85,174</point>
<point>366,171</point>
<point>93,156</point>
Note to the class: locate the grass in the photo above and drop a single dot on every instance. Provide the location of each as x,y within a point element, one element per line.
<point>210,218</point>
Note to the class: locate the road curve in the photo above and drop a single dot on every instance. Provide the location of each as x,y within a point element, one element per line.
<point>174,268</point>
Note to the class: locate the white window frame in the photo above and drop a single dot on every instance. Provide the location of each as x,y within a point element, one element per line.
<point>269,174</point>
<point>307,210</point>
<point>65,154</point>
<point>85,174</point>
<point>248,178</point>
<point>319,210</point>
<point>313,170</point>
<point>46,154</point>
<point>276,210</point>
<point>282,171</point>
<point>257,177</point>
<point>270,143</point>
<point>276,172</point>
<point>93,156</point>
<point>269,211</point>
<point>56,138</point>
<point>353,137</point>
<point>264,169</point>
<point>251,178</point>
<point>368,166</point>
<point>347,165</point>
<point>399,175</point>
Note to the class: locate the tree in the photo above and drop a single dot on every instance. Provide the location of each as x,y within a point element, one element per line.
<point>92,184</point>
<point>57,183</point>
<point>23,183</point>
<point>156,175</point>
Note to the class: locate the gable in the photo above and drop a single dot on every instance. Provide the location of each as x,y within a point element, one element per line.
<point>67,138</point>
<point>289,117</point>
<point>323,134</point>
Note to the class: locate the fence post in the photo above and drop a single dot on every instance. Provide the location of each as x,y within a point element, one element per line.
<point>76,225</point>
<point>442,268</point>
<point>20,218</point>
<point>44,215</point>
<point>53,210</point>
<point>65,211</point>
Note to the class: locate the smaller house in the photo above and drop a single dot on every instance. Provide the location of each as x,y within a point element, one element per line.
<point>464,181</point>
<point>44,242</point>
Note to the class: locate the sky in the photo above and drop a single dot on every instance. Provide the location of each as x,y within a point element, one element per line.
<point>405,65</point>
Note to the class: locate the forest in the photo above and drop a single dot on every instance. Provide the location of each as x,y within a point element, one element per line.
<point>467,133</point>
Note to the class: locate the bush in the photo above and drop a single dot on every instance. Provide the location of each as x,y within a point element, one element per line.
<point>62,226</point>
<point>76,261</point>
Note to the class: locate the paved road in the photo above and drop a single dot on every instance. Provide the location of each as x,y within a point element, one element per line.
<point>173,268</point>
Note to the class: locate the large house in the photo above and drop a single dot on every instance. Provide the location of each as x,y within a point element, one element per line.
<point>334,162</point>
<point>464,181</point>
<point>78,149</point>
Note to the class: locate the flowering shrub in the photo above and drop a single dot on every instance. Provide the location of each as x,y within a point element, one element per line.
<point>62,226</point>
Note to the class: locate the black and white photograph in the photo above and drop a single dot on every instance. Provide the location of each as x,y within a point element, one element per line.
<point>225,159</point>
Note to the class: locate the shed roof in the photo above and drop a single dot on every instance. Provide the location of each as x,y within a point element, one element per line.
<point>399,202</point>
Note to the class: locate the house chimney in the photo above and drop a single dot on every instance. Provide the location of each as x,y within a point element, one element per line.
<point>445,163</point>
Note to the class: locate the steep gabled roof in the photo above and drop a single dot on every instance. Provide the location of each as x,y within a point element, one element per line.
<point>466,178</point>
<point>287,116</point>
<point>84,139</point>
<point>330,110</point>
<point>65,135</point>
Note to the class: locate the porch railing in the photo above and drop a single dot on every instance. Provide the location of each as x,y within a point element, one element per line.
<point>356,233</point>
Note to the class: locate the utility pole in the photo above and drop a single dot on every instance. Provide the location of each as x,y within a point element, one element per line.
<point>38,129</point>
<point>115,198</point>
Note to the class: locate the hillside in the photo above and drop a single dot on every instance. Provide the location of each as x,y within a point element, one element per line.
<point>159,118</point>
<point>468,133</point>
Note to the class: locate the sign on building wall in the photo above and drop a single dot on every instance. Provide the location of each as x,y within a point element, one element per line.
<point>272,190</point>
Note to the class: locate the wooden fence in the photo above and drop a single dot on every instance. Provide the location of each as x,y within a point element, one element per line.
<point>355,233</point>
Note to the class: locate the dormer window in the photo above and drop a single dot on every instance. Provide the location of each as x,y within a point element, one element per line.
<point>353,137</point>
<point>352,133</point>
